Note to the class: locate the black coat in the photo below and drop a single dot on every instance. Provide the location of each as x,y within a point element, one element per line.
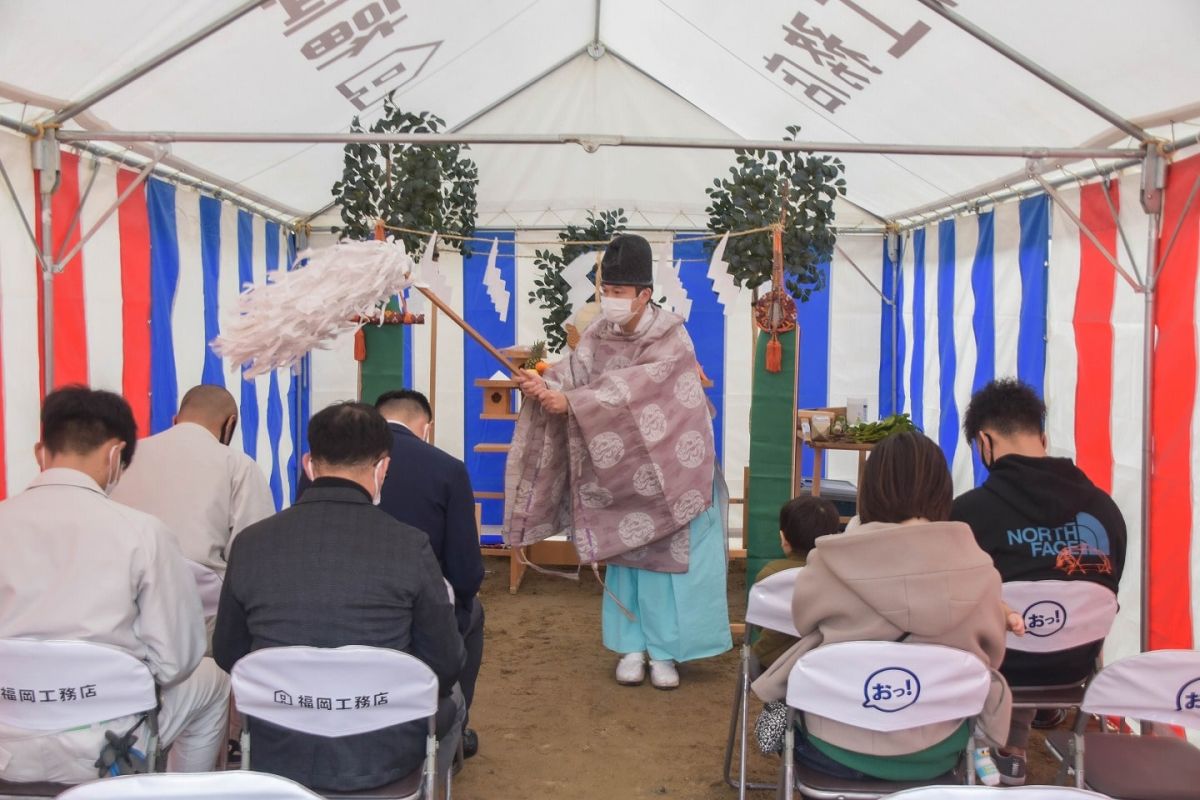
<point>1043,519</point>
<point>334,570</point>
<point>430,490</point>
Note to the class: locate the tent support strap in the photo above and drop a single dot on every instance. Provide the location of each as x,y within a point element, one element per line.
<point>889,300</point>
<point>65,259</point>
<point>1025,63</point>
<point>79,106</point>
<point>1137,286</point>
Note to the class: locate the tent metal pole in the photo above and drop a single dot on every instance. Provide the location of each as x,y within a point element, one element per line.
<point>999,192</point>
<point>81,105</point>
<point>1150,298</point>
<point>593,142</point>
<point>1025,63</point>
<point>46,164</point>
<point>178,175</point>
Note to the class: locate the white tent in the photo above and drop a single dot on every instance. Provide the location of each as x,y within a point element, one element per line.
<point>940,110</point>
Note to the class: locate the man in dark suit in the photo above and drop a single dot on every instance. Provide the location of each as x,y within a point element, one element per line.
<point>430,490</point>
<point>334,570</point>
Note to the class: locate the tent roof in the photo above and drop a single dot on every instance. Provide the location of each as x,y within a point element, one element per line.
<point>882,73</point>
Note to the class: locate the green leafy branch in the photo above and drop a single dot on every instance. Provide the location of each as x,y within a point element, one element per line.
<point>750,198</point>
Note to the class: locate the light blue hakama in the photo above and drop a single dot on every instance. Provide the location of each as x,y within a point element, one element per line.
<point>679,616</point>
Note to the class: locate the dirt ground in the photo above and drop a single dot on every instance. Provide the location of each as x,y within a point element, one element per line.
<point>553,723</point>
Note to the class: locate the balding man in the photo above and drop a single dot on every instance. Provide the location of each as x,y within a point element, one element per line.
<point>188,476</point>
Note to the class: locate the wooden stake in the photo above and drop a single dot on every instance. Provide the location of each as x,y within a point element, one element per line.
<point>433,373</point>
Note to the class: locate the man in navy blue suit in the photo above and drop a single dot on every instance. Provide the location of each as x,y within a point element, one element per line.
<point>430,490</point>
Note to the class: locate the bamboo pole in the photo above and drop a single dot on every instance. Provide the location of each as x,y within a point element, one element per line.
<point>433,374</point>
<point>467,329</point>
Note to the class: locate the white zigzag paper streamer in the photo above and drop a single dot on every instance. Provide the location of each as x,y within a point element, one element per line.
<point>672,288</point>
<point>718,272</point>
<point>276,324</point>
<point>428,272</point>
<point>579,288</point>
<point>494,282</point>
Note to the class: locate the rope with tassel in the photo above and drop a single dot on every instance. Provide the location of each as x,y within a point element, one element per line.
<point>775,312</point>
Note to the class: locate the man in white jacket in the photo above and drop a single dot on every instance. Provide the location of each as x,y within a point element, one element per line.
<point>79,566</point>
<point>189,477</point>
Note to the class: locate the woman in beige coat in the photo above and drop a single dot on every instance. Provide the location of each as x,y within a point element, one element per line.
<point>903,574</point>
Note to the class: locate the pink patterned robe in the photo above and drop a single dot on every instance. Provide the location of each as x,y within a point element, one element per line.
<point>631,464</point>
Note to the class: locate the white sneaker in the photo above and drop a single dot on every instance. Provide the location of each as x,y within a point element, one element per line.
<point>663,675</point>
<point>631,669</point>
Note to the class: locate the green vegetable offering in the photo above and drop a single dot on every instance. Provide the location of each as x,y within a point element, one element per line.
<point>870,432</point>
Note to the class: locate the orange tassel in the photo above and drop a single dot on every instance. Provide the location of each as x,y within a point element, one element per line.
<point>360,345</point>
<point>774,355</point>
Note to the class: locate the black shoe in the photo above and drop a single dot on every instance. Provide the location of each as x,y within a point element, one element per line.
<point>470,743</point>
<point>1049,718</point>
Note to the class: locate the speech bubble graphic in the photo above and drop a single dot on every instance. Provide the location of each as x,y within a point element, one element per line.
<point>1044,618</point>
<point>1188,698</point>
<point>891,689</point>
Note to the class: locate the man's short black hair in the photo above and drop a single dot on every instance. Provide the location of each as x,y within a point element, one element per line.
<point>1008,406</point>
<point>348,435</point>
<point>803,519</point>
<point>77,420</point>
<point>406,397</point>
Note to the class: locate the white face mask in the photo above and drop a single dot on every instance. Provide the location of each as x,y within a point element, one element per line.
<point>114,469</point>
<point>378,496</point>
<point>617,310</point>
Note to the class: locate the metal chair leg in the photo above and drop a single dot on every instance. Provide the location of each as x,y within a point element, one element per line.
<point>789,758</point>
<point>739,703</point>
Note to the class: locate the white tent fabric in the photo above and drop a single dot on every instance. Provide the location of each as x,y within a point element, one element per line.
<point>876,72</point>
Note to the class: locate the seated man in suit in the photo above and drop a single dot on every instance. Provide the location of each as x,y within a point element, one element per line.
<point>431,490</point>
<point>80,566</point>
<point>334,570</point>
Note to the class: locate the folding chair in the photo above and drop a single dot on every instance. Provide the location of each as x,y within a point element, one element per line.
<point>1159,686</point>
<point>341,692</point>
<point>996,793</point>
<point>193,786</point>
<point>208,582</point>
<point>1059,615</point>
<point>769,607</point>
<point>52,686</point>
<point>884,687</point>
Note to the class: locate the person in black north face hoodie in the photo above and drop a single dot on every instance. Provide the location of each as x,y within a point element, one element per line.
<point>1039,518</point>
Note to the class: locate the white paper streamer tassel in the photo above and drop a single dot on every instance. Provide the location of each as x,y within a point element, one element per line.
<point>493,281</point>
<point>576,275</point>
<point>718,272</point>
<point>276,324</point>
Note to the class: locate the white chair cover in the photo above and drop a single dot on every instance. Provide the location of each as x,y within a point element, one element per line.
<point>334,692</point>
<point>770,603</point>
<point>1160,686</point>
<point>192,786</point>
<point>208,582</point>
<point>996,793</point>
<point>889,686</point>
<point>1059,614</point>
<point>55,685</point>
